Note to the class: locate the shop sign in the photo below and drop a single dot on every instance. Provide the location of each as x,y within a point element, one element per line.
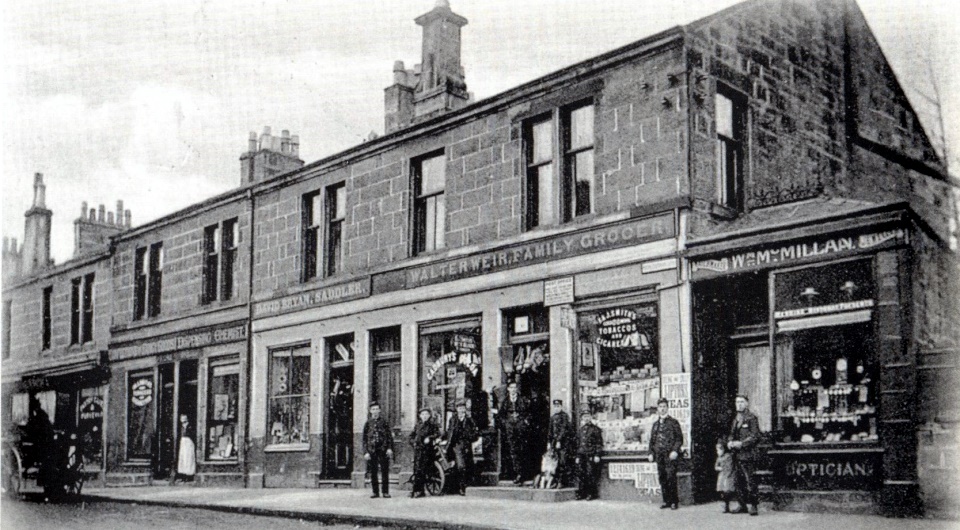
<point>819,470</point>
<point>676,388</point>
<point>331,294</point>
<point>797,252</point>
<point>633,232</point>
<point>92,408</point>
<point>620,328</point>
<point>823,309</point>
<point>470,360</point>
<point>186,341</point>
<point>643,474</point>
<point>141,393</point>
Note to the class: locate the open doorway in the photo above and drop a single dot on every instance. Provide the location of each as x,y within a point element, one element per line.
<point>177,396</point>
<point>528,345</point>
<point>338,446</point>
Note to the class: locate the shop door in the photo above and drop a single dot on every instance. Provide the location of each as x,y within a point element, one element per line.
<point>387,387</point>
<point>163,458</point>
<point>753,381</point>
<point>339,432</point>
<point>529,347</point>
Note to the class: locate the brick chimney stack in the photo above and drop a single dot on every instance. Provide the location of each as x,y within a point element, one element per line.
<point>36,239</point>
<point>436,85</point>
<point>92,230</point>
<point>269,156</point>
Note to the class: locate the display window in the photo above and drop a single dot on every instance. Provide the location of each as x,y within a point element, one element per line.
<point>223,395</point>
<point>90,425</point>
<point>825,333</point>
<point>451,362</point>
<point>141,415</point>
<point>619,371</point>
<point>289,403</point>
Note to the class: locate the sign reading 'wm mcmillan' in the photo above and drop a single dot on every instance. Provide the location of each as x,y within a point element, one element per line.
<point>632,232</point>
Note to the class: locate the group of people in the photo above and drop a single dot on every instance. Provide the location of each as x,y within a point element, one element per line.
<point>576,450</point>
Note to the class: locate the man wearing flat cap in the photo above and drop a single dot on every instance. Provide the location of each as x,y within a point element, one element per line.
<point>460,435</point>
<point>561,438</point>
<point>666,438</point>
<point>378,450</point>
<point>424,435</point>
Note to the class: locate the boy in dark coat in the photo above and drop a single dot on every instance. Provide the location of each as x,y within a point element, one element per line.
<point>666,438</point>
<point>424,435</point>
<point>744,436</point>
<point>562,438</point>
<point>377,450</point>
<point>513,416</point>
<point>589,449</point>
<point>460,435</point>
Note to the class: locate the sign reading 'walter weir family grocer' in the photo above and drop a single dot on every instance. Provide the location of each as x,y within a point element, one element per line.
<point>796,252</point>
<point>627,233</point>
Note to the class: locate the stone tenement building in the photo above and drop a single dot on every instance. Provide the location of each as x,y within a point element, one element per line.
<point>743,205</point>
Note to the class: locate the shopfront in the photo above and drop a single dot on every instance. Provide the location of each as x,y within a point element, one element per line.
<point>162,381</point>
<point>811,331</point>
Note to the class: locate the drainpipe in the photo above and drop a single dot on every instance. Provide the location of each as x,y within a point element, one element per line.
<point>249,367</point>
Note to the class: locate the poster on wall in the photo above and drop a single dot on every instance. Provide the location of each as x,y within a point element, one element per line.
<point>676,388</point>
<point>643,474</point>
<point>589,364</point>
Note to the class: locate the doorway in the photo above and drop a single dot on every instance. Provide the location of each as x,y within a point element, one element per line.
<point>177,396</point>
<point>528,345</point>
<point>338,446</point>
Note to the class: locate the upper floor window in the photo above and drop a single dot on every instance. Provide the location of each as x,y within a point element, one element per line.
<point>312,223</point>
<point>729,149</point>
<point>81,309</point>
<point>220,250</point>
<point>579,189</point>
<point>47,324</point>
<point>546,202</point>
<point>148,281</point>
<point>429,208</point>
<point>336,213</point>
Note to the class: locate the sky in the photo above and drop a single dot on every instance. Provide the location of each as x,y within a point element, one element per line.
<point>152,102</point>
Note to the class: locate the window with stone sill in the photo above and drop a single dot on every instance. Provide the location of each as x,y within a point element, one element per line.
<point>730,126</point>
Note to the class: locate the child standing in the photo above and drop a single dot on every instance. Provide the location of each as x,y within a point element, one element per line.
<point>725,477</point>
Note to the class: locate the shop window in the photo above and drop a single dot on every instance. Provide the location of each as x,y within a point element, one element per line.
<point>47,318</point>
<point>223,394</point>
<point>826,368</point>
<point>289,392</point>
<point>141,415</point>
<point>451,362</point>
<point>220,250</point>
<point>579,189</point>
<point>429,207</point>
<point>619,371</point>
<point>90,426</point>
<point>336,213</point>
<point>729,125</point>
<point>148,281</point>
<point>385,349</point>
<point>81,309</point>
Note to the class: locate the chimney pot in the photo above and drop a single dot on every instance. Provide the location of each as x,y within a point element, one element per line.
<point>252,142</point>
<point>110,218</point>
<point>119,211</point>
<point>295,145</point>
<point>83,210</point>
<point>13,244</point>
<point>126,218</point>
<point>6,244</point>
<point>101,213</point>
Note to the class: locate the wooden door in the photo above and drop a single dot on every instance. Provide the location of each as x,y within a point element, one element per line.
<point>753,380</point>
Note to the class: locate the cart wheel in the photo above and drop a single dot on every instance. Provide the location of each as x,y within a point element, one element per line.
<point>434,485</point>
<point>12,483</point>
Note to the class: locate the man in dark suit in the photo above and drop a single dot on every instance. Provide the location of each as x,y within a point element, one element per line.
<point>562,438</point>
<point>666,438</point>
<point>744,436</point>
<point>513,417</point>
<point>589,450</point>
<point>423,437</point>
<point>377,450</point>
<point>460,435</point>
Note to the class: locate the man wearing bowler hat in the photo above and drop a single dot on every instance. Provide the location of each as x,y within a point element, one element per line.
<point>666,438</point>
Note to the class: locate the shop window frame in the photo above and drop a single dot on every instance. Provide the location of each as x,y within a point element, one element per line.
<point>130,377</point>
<point>231,363</point>
<point>291,348</point>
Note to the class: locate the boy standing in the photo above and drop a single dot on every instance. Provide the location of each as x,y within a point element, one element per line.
<point>377,450</point>
<point>589,449</point>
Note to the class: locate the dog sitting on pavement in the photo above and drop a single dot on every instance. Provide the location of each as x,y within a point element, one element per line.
<point>548,471</point>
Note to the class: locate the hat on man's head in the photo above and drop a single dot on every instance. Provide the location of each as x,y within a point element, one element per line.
<point>743,396</point>
<point>461,403</point>
<point>558,402</point>
<point>424,409</point>
<point>374,404</point>
<point>663,400</point>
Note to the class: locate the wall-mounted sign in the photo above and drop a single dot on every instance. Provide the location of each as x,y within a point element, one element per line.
<point>627,233</point>
<point>197,338</point>
<point>797,252</point>
<point>558,292</point>
<point>828,470</point>
<point>330,294</point>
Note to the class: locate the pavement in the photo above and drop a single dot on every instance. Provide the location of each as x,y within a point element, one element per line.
<point>350,506</point>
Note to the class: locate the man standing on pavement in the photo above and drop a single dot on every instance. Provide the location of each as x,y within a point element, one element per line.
<point>377,450</point>
<point>589,449</point>
<point>666,438</point>
<point>561,438</point>
<point>460,435</point>
<point>422,438</point>
<point>744,436</point>
<point>513,419</point>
